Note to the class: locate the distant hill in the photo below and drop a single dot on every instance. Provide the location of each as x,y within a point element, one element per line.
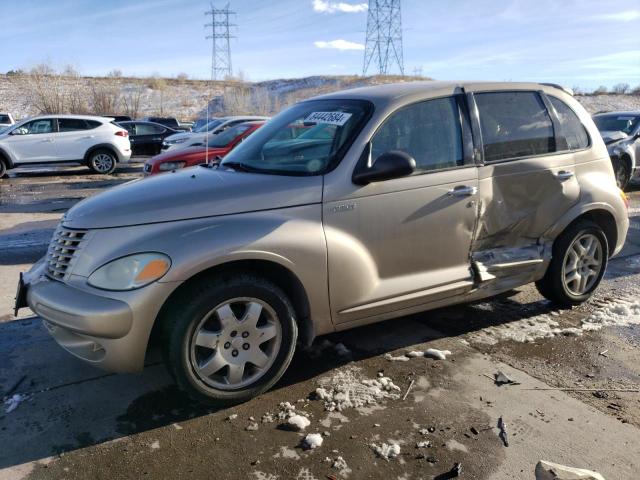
<point>49,92</point>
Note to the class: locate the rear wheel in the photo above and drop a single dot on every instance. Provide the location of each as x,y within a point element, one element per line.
<point>578,264</point>
<point>228,341</point>
<point>3,168</point>
<point>102,161</point>
<point>622,172</point>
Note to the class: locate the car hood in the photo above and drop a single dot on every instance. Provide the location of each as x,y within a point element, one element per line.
<point>192,193</point>
<point>613,136</point>
<point>177,136</point>
<point>186,154</point>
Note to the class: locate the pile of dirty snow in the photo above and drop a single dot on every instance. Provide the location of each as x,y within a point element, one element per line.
<point>621,313</point>
<point>348,389</point>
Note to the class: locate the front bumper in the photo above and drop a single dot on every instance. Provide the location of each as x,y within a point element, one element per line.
<point>107,329</point>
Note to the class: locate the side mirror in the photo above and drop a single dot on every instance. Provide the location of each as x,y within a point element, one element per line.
<point>389,165</point>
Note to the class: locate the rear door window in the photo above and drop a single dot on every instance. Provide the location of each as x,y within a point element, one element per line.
<point>514,125</point>
<point>571,127</point>
<point>146,129</point>
<point>71,124</point>
<point>429,131</point>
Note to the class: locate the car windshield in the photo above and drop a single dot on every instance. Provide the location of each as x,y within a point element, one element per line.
<point>328,128</point>
<point>207,127</point>
<point>617,123</point>
<point>225,138</point>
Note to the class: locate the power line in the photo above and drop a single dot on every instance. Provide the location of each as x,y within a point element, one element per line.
<point>384,36</point>
<point>220,41</point>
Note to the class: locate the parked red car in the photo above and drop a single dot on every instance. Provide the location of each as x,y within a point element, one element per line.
<point>219,146</point>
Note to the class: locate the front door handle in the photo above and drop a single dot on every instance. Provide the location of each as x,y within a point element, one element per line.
<point>564,175</point>
<point>462,191</point>
<point>88,137</point>
<point>48,140</point>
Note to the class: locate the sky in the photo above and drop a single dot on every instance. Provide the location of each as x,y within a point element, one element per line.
<point>577,43</point>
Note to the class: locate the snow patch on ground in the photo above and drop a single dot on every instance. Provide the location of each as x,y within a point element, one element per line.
<point>298,422</point>
<point>386,450</point>
<point>312,440</point>
<point>340,464</point>
<point>347,388</point>
<point>12,402</point>
<point>286,452</point>
<point>155,445</point>
<point>619,312</point>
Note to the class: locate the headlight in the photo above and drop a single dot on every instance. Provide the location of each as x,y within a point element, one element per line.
<point>129,273</point>
<point>171,166</point>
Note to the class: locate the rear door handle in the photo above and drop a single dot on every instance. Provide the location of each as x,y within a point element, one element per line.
<point>564,175</point>
<point>88,137</point>
<point>462,191</point>
<point>48,140</point>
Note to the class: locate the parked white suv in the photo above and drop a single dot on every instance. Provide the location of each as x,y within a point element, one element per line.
<point>93,141</point>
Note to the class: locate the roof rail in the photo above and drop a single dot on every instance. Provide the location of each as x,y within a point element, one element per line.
<point>560,87</point>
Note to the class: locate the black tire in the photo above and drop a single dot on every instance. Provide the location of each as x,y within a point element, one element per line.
<point>182,318</point>
<point>622,172</point>
<point>3,168</point>
<point>102,161</point>
<point>552,286</point>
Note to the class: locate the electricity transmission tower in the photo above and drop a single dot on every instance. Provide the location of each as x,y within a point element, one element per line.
<point>220,45</point>
<point>384,36</point>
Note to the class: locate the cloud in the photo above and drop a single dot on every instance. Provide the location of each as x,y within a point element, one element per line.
<point>323,6</point>
<point>339,45</point>
<point>626,16</point>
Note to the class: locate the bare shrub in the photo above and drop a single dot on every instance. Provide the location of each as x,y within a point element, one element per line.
<point>158,84</point>
<point>636,90</point>
<point>601,90</point>
<point>131,99</point>
<point>44,89</point>
<point>105,97</point>
<point>621,88</point>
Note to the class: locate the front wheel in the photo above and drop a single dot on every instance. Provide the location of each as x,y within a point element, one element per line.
<point>3,168</point>
<point>228,340</point>
<point>102,161</point>
<point>577,266</point>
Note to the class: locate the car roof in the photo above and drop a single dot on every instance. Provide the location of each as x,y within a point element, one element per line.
<point>395,91</point>
<point>66,115</point>
<point>248,117</point>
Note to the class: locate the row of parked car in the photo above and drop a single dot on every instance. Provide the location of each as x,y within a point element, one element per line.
<point>103,142</point>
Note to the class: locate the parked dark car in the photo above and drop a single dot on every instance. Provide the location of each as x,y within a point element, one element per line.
<point>170,122</point>
<point>146,137</point>
<point>118,118</point>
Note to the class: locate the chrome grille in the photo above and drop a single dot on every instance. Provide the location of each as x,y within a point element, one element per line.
<point>62,249</point>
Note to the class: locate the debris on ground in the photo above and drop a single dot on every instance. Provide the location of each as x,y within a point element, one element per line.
<point>347,389</point>
<point>286,411</point>
<point>404,397</point>
<point>455,472</point>
<point>311,441</point>
<point>12,402</point>
<point>553,471</point>
<point>386,450</point>
<point>502,378</point>
<point>424,444</point>
<point>232,417</point>
<point>503,431</point>
<point>298,423</point>
<point>15,386</point>
<point>267,418</point>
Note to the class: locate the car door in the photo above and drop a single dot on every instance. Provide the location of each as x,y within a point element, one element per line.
<point>397,245</point>
<point>33,142</point>
<point>527,180</point>
<point>73,139</point>
<point>148,137</point>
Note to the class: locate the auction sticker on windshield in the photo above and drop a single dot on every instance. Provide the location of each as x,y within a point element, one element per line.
<point>330,118</point>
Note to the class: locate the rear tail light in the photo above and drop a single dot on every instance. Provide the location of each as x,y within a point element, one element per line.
<point>122,133</point>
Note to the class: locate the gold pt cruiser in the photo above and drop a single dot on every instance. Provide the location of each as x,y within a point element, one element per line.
<point>390,200</point>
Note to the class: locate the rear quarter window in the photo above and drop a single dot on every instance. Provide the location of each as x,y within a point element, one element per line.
<point>572,130</point>
<point>514,125</point>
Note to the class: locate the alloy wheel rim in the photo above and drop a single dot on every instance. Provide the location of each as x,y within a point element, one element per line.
<point>102,162</point>
<point>235,344</point>
<point>582,264</point>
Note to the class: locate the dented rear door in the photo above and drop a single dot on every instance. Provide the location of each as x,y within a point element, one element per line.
<point>525,186</point>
